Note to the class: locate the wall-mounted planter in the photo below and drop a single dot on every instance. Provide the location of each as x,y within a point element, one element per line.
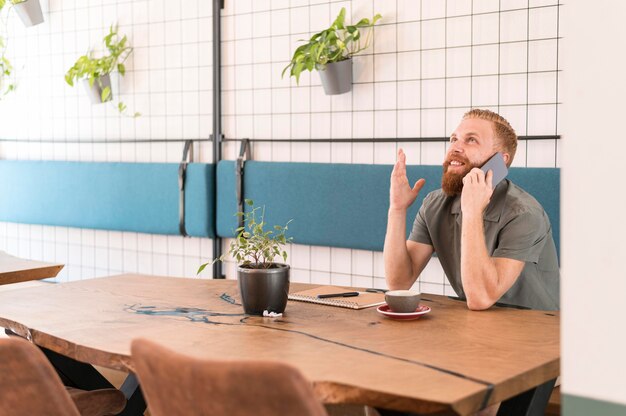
<point>29,12</point>
<point>337,77</point>
<point>95,91</point>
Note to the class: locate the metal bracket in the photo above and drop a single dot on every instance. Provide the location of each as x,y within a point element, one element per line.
<point>244,150</point>
<point>182,176</point>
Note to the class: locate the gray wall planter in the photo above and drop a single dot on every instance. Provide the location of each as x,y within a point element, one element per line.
<point>337,77</point>
<point>95,92</point>
<point>29,12</point>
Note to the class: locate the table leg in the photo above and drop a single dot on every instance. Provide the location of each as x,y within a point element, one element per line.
<point>136,404</point>
<point>83,376</point>
<point>530,403</point>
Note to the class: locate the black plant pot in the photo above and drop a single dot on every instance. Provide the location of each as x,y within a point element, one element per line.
<point>264,289</point>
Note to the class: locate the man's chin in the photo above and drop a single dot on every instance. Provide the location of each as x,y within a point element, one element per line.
<point>452,183</point>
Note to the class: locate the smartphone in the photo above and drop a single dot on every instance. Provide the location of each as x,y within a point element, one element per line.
<point>497,166</point>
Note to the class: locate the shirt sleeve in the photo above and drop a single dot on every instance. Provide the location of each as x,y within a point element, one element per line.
<point>524,237</point>
<point>419,232</point>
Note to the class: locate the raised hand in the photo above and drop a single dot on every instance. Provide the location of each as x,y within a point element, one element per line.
<point>401,195</point>
<point>477,191</point>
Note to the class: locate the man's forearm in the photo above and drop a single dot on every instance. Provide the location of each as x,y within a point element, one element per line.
<point>398,266</point>
<point>479,275</point>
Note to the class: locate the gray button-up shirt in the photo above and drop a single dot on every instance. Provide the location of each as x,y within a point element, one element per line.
<point>516,227</point>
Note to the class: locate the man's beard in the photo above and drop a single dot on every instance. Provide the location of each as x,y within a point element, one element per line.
<point>452,183</point>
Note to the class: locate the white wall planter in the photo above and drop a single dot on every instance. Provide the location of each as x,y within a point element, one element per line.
<point>337,77</point>
<point>95,91</point>
<point>29,12</point>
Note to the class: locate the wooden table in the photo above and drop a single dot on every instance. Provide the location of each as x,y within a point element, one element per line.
<point>14,269</point>
<point>452,359</point>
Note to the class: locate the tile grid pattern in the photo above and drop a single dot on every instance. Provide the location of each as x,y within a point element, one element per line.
<point>168,80</point>
<point>430,61</point>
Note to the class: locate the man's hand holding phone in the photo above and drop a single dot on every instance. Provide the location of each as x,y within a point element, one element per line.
<point>401,195</point>
<point>477,191</point>
<point>478,185</point>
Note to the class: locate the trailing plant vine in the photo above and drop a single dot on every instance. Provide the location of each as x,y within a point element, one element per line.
<point>93,69</point>
<point>335,44</point>
<point>7,75</point>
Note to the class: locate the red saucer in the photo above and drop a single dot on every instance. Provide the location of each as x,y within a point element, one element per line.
<point>421,310</point>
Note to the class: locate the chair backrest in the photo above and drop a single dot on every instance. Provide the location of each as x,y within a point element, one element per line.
<point>28,383</point>
<point>174,384</point>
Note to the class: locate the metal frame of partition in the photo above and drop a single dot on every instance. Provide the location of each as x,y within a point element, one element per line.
<point>217,136</point>
<point>373,140</point>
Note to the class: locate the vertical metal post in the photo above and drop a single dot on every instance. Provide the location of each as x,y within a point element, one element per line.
<point>218,5</point>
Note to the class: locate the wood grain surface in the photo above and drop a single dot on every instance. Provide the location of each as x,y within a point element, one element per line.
<point>452,359</point>
<point>14,269</point>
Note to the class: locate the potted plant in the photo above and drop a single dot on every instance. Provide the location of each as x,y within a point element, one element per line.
<point>330,52</point>
<point>95,72</point>
<point>6,71</point>
<point>29,11</point>
<point>263,283</point>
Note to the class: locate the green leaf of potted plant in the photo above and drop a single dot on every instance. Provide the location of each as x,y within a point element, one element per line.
<point>95,72</point>
<point>7,83</point>
<point>263,283</point>
<point>330,52</point>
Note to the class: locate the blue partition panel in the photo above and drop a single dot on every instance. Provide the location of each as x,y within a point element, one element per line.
<point>544,184</point>
<point>141,197</point>
<point>345,205</point>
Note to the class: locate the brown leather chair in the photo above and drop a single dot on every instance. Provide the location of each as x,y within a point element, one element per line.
<point>177,385</point>
<point>29,385</point>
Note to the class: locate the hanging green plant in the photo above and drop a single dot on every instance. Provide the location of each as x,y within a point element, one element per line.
<point>95,71</point>
<point>7,82</point>
<point>338,43</point>
<point>7,77</point>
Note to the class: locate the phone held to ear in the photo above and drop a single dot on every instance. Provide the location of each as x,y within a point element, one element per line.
<point>497,166</point>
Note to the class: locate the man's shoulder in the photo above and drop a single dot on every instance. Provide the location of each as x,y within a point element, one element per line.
<point>519,201</point>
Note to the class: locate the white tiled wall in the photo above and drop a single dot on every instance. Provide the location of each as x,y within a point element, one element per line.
<point>168,81</point>
<point>431,61</point>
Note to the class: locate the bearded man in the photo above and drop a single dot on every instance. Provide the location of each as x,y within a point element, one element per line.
<point>495,245</point>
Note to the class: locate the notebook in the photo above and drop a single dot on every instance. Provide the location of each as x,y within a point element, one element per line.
<point>364,300</point>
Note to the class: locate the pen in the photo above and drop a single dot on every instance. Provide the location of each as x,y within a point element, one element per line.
<point>338,295</point>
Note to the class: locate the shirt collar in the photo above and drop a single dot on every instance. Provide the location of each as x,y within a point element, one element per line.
<point>495,207</point>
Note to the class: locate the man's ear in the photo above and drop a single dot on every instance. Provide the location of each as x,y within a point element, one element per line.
<point>507,158</point>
